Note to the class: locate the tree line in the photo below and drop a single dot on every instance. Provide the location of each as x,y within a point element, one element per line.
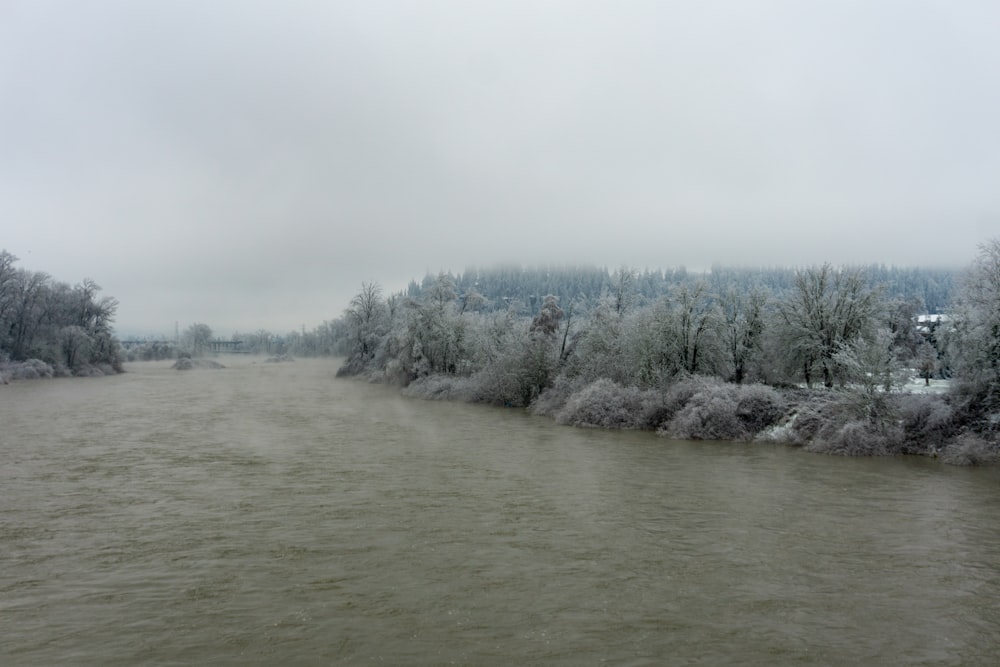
<point>68,329</point>
<point>816,356</point>
<point>931,287</point>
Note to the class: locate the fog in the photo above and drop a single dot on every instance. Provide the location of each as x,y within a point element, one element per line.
<point>249,164</point>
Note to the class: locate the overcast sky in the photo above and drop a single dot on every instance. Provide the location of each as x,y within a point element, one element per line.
<point>249,164</point>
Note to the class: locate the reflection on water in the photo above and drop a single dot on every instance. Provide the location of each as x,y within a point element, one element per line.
<point>271,513</point>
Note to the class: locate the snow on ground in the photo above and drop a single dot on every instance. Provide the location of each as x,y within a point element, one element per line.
<point>918,386</point>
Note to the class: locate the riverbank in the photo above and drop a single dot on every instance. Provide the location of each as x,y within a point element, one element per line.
<point>928,421</point>
<point>36,369</point>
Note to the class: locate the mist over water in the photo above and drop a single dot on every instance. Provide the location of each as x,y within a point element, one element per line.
<point>271,513</point>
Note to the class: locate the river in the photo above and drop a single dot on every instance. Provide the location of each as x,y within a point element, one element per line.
<point>274,514</point>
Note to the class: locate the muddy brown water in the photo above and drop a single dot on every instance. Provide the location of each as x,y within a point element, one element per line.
<point>273,514</point>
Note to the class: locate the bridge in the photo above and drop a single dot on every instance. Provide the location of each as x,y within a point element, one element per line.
<point>135,342</point>
<point>218,345</point>
<point>231,346</point>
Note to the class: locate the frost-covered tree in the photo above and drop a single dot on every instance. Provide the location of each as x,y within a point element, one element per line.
<point>67,327</point>
<point>28,309</point>
<point>600,350</point>
<point>826,309</point>
<point>437,330</point>
<point>872,368</point>
<point>647,353</point>
<point>926,361</point>
<point>692,328</point>
<point>901,320</point>
<point>367,315</point>
<point>196,339</point>
<point>74,342</point>
<point>500,338</point>
<point>741,328</point>
<point>622,289</point>
<point>974,341</point>
<point>7,277</point>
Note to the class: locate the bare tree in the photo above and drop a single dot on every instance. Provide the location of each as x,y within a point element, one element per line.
<point>365,314</point>
<point>7,277</point>
<point>692,327</point>
<point>974,342</point>
<point>871,366</point>
<point>28,309</point>
<point>623,289</point>
<point>74,341</point>
<point>741,316</point>
<point>827,308</point>
<point>197,338</point>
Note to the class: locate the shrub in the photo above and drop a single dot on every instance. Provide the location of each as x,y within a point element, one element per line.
<point>808,414</point>
<point>680,393</point>
<point>976,405</point>
<point>709,409</point>
<point>187,363</point>
<point>971,450</point>
<point>502,384</point>
<point>655,412</point>
<point>710,414</point>
<point>759,407</point>
<point>856,438</point>
<point>32,369</point>
<point>440,387</point>
<point>927,421</point>
<point>554,398</point>
<point>281,358</point>
<point>603,404</point>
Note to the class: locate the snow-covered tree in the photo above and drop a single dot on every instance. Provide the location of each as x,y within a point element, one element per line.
<point>827,308</point>
<point>367,316</point>
<point>741,328</point>
<point>872,368</point>
<point>926,361</point>
<point>196,339</point>
<point>974,341</point>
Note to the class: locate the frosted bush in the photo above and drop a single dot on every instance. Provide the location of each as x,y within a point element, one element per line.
<point>927,420</point>
<point>25,373</point>
<point>603,404</point>
<point>710,414</point>
<point>500,384</point>
<point>187,363</point>
<point>554,398</point>
<point>680,393</point>
<point>856,438</point>
<point>281,358</point>
<point>759,407</point>
<point>654,411</point>
<point>811,414</point>
<point>441,387</point>
<point>32,369</point>
<point>710,409</point>
<point>971,450</point>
